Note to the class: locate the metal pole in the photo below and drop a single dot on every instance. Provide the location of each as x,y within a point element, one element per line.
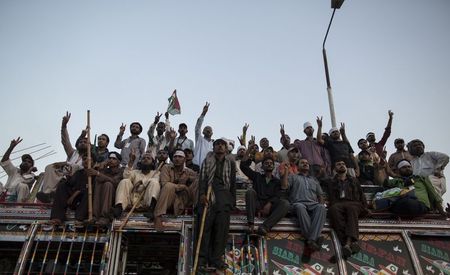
<point>55,263</point>
<point>20,266</point>
<point>327,75</point>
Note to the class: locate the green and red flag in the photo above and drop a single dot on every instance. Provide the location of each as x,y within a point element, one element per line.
<point>174,105</point>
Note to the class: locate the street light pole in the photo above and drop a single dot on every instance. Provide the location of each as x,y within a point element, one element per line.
<point>335,4</point>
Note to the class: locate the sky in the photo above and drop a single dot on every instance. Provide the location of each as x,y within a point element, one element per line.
<point>257,62</point>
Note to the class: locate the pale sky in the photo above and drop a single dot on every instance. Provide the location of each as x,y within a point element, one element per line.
<point>258,62</point>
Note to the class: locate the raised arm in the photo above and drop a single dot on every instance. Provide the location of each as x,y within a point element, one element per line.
<point>11,147</point>
<point>243,138</point>
<point>319,130</point>
<point>118,143</point>
<point>387,130</point>
<point>198,125</point>
<point>151,129</point>
<point>65,140</point>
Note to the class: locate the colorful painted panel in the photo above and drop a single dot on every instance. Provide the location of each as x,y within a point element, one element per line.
<point>381,254</point>
<point>244,254</point>
<point>433,253</point>
<point>286,254</point>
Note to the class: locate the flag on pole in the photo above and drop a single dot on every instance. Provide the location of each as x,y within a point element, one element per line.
<point>174,105</point>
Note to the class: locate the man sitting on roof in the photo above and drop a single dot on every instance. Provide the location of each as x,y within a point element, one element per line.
<point>55,172</point>
<point>177,188</point>
<point>428,164</point>
<point>20,180</point>
<point>266,194</point>
<point>71,192</point>
<point>419,202</point>
<point>144,179</point>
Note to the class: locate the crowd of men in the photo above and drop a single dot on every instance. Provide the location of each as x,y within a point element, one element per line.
<point>311,178</point>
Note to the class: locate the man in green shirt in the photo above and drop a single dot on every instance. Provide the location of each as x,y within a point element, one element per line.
<point>426,199</point>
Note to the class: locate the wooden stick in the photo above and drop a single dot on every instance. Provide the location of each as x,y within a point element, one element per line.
<point>89,165</point>
<point>138,200</point>
<point>202,227</point>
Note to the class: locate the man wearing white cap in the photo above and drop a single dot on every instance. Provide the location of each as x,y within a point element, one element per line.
<point>311,150</point>
<point>177,188</point>
<point>425,198</point>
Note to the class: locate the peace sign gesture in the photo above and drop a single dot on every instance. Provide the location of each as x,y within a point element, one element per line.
<point>122,129</point>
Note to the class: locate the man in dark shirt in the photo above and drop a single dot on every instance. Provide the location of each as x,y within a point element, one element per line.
<point>219,172</point>
<point>340,149</point>
<point>71,192</point>
<point>264,196</point>
<point>346,204</point>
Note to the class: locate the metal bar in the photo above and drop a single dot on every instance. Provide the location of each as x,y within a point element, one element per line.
<point>412,252</point>
<point>124,261</point>
<point>328,29</point>
<point>117,253</point>
<point>106,251</point>
<point>81,250</point>
<point>25,252</point>
<point>70,250</point>
<point>21,150</point>
<point>337,250</point>
<point>111,253</point>
<point>46,147</point>
<point>59,248</point>
<point>49,153</point>
<point>34,252</point>
<point>93,252</point>
<point>46,251</point>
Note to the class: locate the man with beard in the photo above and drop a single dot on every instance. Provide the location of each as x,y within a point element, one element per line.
<point>428,164</point>
<point>177,188</point>
<point>161,157</point>
<point>346,204</point>
<point>203,144</point>
<point>265,195</point>
<point>144,179</point>
<point>182,141</point>
<point>339,149</point>
<point>307,200</point>
<point>161,140</point>
<point>20,179</point>
<point>218,172</point>
<point>400,154</point>
<point>425,197</point>
<point>132,143</point>
<point>312,151</point>
<point>56,171</point>
<point>105,184</point>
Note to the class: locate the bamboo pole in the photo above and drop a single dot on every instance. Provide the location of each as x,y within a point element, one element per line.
<point>202,227</point>
<point>89,165</point>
